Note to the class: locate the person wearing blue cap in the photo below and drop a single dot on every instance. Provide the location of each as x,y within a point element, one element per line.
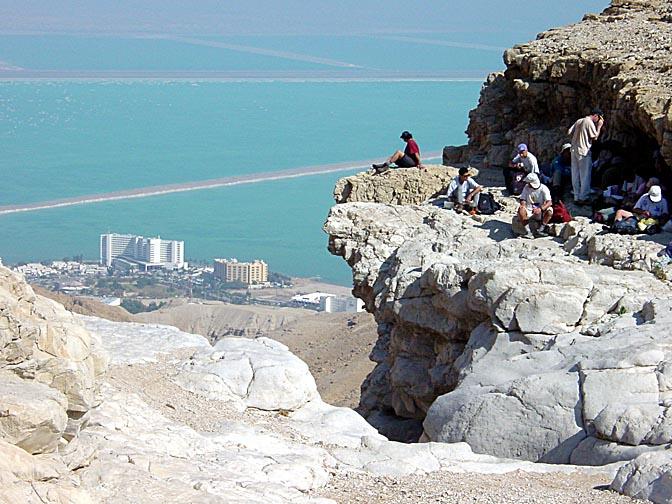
<point>525,160</point>
<point>584,132</point>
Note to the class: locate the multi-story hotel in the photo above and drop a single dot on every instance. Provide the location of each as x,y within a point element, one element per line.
<point>146,253</point>
<point>230,270</point>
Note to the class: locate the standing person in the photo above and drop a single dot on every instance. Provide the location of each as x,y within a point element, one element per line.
<point>464,190</point>
<point>535,204</point>
<point>407,159</point>
<point>584,132</point>
<point>525,160</point>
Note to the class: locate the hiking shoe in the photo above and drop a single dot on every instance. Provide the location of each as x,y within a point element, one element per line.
<point>542,232</point>
<point>378,166</point>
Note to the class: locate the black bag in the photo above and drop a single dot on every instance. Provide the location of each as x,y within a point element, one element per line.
<point>487,205</point>
<point>518,182</point>
<point>627,226</point>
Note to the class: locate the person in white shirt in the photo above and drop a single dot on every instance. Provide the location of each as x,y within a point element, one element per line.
<point>651,204</point>
<point>464,190</point>
<point>535,204</point>
<point>525,160</point>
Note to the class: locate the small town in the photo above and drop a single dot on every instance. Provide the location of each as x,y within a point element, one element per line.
<point>140,274</point>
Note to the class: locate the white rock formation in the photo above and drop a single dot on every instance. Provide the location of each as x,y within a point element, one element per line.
<point>150,440</point>
<point>553,350</point>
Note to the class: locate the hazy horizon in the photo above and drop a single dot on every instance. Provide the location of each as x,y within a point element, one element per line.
<point>268,17</point>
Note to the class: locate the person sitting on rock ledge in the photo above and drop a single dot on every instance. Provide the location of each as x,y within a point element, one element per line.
<point>652,204</point>
<point>407,159</point>
<point>525,160</point>
<point>464,191</point>
<point>535,205</point>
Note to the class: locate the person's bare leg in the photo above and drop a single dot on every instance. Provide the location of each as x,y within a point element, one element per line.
<point>395,157</point>
<point>621,214</point>
<point>547,217</point>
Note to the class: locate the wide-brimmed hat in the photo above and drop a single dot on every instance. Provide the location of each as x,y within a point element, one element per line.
<point>406,135</point>
<point>533,180</point>
<point>655,194</point>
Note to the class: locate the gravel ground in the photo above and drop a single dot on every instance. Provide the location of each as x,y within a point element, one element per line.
<point>469,488</point>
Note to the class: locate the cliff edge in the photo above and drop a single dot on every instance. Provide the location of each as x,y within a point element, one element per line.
<point>619,60</point>
<point>550,350</point>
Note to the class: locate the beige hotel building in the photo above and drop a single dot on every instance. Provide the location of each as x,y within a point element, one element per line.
<point>230,270</point>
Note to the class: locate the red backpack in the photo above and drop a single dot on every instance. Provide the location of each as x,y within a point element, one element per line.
<point>560,212</point>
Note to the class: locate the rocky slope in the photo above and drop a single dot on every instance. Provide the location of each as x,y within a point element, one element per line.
<point>553,350</point>
<point>169,418</point>
<point>619,60</point>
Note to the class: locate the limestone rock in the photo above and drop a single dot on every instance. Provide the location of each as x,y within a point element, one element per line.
<point>511,345</point>
<point>618,60</point>
<point>261,373</point>
<point>399,186</point>
<point>33,415</point>
<point>649,476</point>
<point>42,343</point>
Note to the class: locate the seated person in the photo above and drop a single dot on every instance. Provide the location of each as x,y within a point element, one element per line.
<point>535,204</point>
<point>561,171</point>
<point>525,160</point>
<point>651,204</point>
<point>407,159</point>
<point>464,190</point>
<point>632,189</point>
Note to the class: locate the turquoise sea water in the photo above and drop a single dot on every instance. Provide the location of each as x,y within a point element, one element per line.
<point>64,138</point>
<point>322,100</point>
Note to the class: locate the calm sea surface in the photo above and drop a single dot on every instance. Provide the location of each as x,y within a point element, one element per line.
<point>243,105</point>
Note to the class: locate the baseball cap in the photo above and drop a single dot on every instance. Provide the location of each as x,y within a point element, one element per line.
<point>522,147</point>
<point>533,180</point>
<point>598,112</point>
<point>566,146</point>
<point>655,194</point>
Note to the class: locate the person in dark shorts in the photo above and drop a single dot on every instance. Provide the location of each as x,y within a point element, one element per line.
<point>407,159</point>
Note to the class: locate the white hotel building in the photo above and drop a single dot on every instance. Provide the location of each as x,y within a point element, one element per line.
<point>137,251</point>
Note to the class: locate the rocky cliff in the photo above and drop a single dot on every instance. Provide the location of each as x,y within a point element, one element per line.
<point>619,60</point>
<point>554,349</point>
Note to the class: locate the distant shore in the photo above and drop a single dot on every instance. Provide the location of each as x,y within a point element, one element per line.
<point>143,192</point>
<point>340,75</point>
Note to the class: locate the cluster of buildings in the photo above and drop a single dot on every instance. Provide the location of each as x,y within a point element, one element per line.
<point>133,251</point>
<point>58,268</point>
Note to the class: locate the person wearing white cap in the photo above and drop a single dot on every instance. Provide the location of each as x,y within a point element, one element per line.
<point>525,160</point>
<point>651,204</point>
<point>535,204</point>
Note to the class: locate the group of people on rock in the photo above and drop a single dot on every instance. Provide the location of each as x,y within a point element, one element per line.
<point>621,186</point>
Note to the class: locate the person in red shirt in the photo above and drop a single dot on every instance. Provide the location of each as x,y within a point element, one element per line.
<point>407,159</point>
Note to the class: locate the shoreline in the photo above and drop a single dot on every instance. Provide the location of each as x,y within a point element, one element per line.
<point>143,192</point>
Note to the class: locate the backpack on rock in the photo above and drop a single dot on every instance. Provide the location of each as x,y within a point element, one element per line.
<point>560,212</point>
<point>487,205</point>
